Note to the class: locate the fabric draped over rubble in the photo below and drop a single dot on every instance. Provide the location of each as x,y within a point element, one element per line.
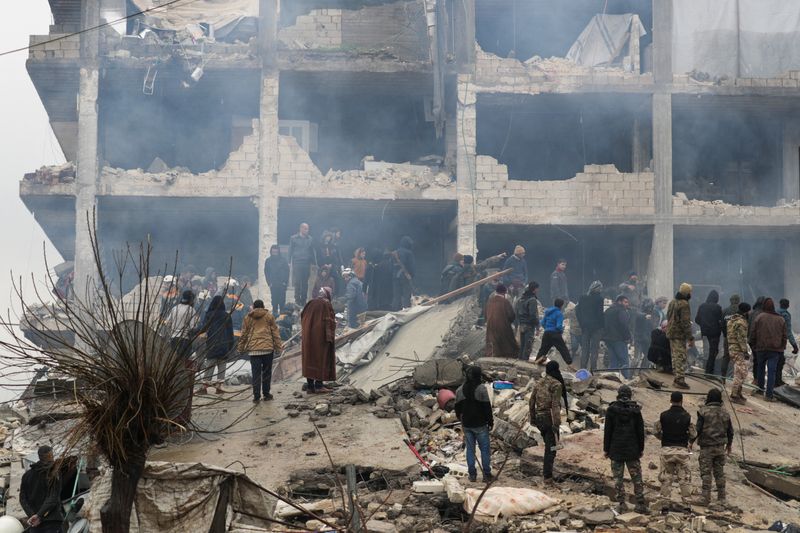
<point>604,39</point>
<point>223,15</point>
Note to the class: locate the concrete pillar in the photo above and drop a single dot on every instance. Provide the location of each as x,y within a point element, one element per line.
<point>466,128</point>
<point>791,160</point>
<point>267,201</point>
<point>662,152</point>
<point>641,149</point>
<point>464,32</point>
<point>791,276</point>
<point>662,41</point>
<point>267,31</point>
<point>660,273</point>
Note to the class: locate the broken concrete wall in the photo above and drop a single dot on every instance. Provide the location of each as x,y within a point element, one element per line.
<point>319,29</point>
<point>599,190</point>
<point>789,79</point>
<point>64,48</point>
<point>682,206</point>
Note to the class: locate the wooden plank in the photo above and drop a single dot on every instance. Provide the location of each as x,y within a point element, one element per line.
<point>775,483</point>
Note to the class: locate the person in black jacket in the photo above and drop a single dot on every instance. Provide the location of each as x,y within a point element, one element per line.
<point>527,311</point>
<point>276,272</point>
<point>403,274</point>
<point>617,333</point>
<point>623,443</point>
<point>39,494</point>
<point>709,318</point>
<point>218,327</point>
<point>590,317</point>
<point>676,431</point>
<point>660,351</point>
<point>474,410</point>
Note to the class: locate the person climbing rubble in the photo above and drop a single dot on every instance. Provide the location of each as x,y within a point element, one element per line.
<point>738,350</point>
<point>590,315</point>
<point>545,413</point>
<point>518,277</point>
<point>500,338</point>
<point>474,410</point>
<point>623,443</point>
<point>676,431</point>
<point>679,333</point>
<point>617,334</point>
<point>559,288</point>
<point>527,311</point>
<point>715,437</point>
<point>553,336</point>
<point>404,271</point>
<point>453,269</point>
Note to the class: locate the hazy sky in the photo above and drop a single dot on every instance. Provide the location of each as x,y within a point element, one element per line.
<point>26,143</point>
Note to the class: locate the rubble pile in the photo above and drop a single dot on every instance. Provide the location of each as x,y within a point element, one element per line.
<point>52,175</point>
<point>402,175</point>
<point>682,205</point>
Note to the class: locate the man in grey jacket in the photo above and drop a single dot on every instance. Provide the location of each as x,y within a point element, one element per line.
<point>301,257</point>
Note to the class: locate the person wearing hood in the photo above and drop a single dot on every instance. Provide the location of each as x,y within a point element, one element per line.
<point>359,265</point>
<point>40,494</point>
<point>727,314</point>
<point>260,340</point>
<point>590,316</point>
<point>381,282</point>
<point>276,272</point>
<point>679,333</point>
<point>787,318</point>
<point>545,413</point>
<point>659,352</point>
<point>553,336</point>
<point>738,349</point>
<point>355,297</point>
<point>715,438</point>
<point>623,443</point>
<point>500,316</point>
<point>218,327</point>
<point>453,269</point>
<point>617,334</point>
<point>527,311</point>
<point>676,431</point>
<point>768,338</point>
<point>518,277</point>
<point>324,279</point>
<point>474,411</point>
<point>403,274</point>
<point>301,256</point>
<point>559,288</point>
<point>318,342</point>
<point>710,319</point>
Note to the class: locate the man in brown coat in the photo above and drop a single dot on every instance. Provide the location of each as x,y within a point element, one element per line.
<point>500,338</point>
<point>768,338</point>
<point>318,322</point>
<point>260,340</point>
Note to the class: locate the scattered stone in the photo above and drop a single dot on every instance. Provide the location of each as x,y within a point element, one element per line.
<point>335,410</point>
<point>596,517</point>
<point>384,401</point>
<point>376,526</point>
<point>292,413</point>
<point>322,409</point>
<point>633,519</point>
<point>428,487</point>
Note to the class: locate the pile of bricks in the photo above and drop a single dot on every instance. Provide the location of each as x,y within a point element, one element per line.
<point>321,28</point>
<point>67,48</point>
<point>681,206</point>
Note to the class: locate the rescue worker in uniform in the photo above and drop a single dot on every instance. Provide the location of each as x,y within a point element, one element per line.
<point>715,437</point>
<point>679,333</point>
<point>545,413</point>
<point>623,443</point>
<point>676,431</point>
<point>736,336</point>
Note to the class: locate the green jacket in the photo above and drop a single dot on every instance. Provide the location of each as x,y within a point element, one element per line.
<point>679,318</point>
<point>737,334</point>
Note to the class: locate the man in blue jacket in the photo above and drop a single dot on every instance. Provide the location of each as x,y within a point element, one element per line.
<point>553,325</point>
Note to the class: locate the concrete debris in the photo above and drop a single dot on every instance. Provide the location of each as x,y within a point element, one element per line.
<point>429,487</point>
<point>52,175</point>
<point>400,175</point>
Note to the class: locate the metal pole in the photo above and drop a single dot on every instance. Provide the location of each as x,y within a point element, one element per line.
<point>350,471</point>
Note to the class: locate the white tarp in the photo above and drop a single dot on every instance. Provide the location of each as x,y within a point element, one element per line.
<point>748,38</point>
<point>180,497</point>
<point>604,39</point>
<point>359,352</point>
<point>219,13</point>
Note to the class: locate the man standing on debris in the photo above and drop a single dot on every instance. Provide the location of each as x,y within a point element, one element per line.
<point>453,269</point>
<point>474,410</point>
<point>710,318</point>
<point>787,317</point>
<point>590,316</point>
<point>623,443</point>
<point>518,277</point>
<point>472,272</point>
<point>558,281</point>
<point>631,289</point>
<point>260,340</point>
<point>301,257</point>
<point>676,431</point>
<point>659,352</point>
<point>403,273</point>
<point>545,413</point>
<point>276,272</point>
<point>768,338</point>
<point>318,323</point>
<point>500,338</point>
<point>553,325</point>
<point>738,350</point>
<point>715,437</point>
<point>40,494</point>
<point>181,323</point>
<point>617,333</point>
<point>679,333</point>
<point>356,299</point>
<point>527,312</point>
<point>727,314</point>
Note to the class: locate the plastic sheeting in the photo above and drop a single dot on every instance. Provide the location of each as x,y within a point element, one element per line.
<point>507,501</point>
<point>360,351</point>
<point>224,15</point>
<point>180,497</point>
<point>736,38</point>
<point>604,39</point>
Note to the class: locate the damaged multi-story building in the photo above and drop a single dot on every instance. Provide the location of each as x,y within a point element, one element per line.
<point>661,136</point>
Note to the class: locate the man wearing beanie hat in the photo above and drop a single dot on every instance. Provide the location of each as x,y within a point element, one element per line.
<point>679,332</point>
<point>675,429</point>
<point>715,437</point>
<point>623,443</point>
<point>500,338</point>
<point>518,277</point>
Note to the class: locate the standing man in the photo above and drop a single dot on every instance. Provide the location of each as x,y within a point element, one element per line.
<point>301,257</point>
<point>710,318</point>
<point>727,314</point>
<point>545,413</point>
<point>623,443</point>
<point>679,333</point>
<point>474,410</point>
<point>500,338</point>
<point>356,299</point>
<point>631,289</point>
<point>553,337</point>
<point>453,269</point>
<point>181,323</point>
<point>518,277</point>
<point>318,323</point>
<point>715,437</point>
<point>738,350</point>
<point>40,494</point>
<point>617,334</point>
<point>787,317</point>
<point>558,281</point>
<point>676,431</point>
<point>527,312</point>
<point>768,338</point>
<point>276,272</point>
<point>260,340</point>
<point>590,316</point>
<point>403,273</point>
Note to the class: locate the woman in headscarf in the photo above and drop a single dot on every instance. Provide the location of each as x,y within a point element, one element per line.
<point>318,323</point>
<point>545,413</point>
<point>324,279</point>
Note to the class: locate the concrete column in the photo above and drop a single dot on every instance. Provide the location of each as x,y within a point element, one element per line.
<point>641,150</point>
<point>267,201</point>
<point>662,152</point>
<point>791,276</point>
<point>267,30</point>
<point>464,31</point>
<point>662,41</point>
<point>660,273</point>
<point>791,160</point>
<point>466,128</point>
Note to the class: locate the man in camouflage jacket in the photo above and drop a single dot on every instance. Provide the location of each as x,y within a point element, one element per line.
<point>715,437</point>
<point>737,348</point>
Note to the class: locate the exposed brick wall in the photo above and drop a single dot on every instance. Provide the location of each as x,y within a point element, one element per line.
<point>69,48</point>
<point>321,28</point>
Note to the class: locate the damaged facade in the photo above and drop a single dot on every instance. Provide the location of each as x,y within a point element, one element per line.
<point>472,125</point>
